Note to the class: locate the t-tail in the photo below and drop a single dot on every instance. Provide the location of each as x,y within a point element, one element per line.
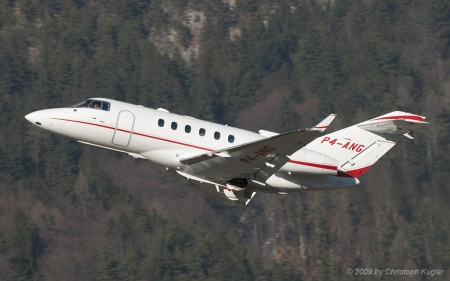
<point>359,146</point>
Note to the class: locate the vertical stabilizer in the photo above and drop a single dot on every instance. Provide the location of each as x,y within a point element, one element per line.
<point>359,146</point>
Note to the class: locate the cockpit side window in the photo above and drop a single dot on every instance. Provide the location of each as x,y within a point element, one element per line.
<point>84,103</point>
<point>96,104</point>
<point>105,106</point>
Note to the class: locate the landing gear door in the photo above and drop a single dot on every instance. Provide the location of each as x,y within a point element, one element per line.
<point>124,128</point>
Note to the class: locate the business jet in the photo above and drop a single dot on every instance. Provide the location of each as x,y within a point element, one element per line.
<point>228,163</point>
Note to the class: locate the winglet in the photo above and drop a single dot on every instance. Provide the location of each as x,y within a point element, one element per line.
<point>323,125</point>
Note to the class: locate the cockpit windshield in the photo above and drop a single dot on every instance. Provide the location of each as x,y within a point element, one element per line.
<point>92,103</point>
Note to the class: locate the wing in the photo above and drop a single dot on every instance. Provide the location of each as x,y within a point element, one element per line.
<point>246,160</point>
<point>224,174</point>
<point>260,159</point>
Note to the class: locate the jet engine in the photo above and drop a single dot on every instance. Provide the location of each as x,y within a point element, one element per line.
<point>311,162</point>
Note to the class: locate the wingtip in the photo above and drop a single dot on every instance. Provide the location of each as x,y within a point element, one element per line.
<point>323,125</point>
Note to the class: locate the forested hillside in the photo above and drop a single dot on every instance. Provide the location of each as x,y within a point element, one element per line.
<point>71,212</point>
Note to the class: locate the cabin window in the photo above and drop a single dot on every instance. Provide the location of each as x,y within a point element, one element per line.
<point>217,135</point>
<point>161,122</point>
<point>202,132</point>
<point>230,138</point>
<point>174,125</point>
<point>187,129</point>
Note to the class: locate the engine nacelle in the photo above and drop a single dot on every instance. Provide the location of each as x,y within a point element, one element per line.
<point>165,157</point>
<point>311,162</point>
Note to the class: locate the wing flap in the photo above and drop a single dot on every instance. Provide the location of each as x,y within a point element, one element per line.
<point>270,168</point>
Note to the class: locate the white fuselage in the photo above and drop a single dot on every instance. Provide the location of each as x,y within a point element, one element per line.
<point>164,138</point>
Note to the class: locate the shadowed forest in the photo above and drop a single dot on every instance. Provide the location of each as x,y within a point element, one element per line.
<point>72,212</point>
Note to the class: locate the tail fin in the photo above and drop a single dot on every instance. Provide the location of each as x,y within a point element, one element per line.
<point>359,146</point>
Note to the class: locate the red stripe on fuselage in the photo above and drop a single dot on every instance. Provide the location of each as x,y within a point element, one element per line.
<point>134,133</point>
<point>82,122</point>
<point>323,166</point>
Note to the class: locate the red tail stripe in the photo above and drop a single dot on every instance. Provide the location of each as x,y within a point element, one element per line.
<point>353,173</point>
<point>323,166</point>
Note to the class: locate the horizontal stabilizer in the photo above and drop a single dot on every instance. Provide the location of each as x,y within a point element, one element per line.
<point>395,123</point>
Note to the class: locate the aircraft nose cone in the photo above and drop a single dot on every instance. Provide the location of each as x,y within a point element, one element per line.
<point>40,118</point>
<point>34,118</point>
<point>31,117</point>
